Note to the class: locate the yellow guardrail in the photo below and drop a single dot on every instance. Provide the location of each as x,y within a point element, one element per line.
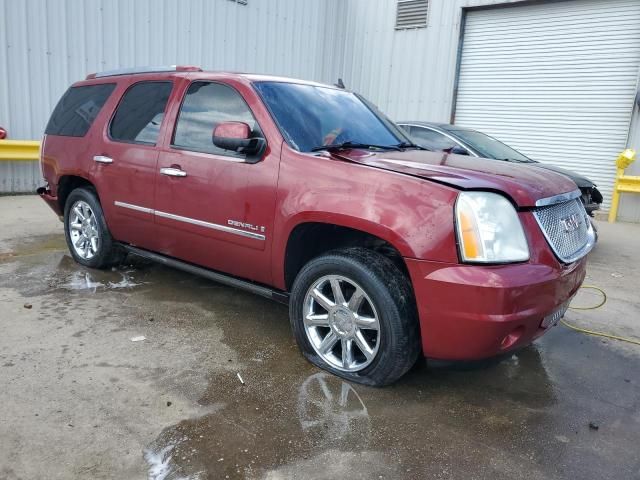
<point>624,183</point>
<point>11,150</point>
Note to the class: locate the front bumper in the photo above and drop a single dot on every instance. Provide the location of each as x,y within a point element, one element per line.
<point>471,312</point>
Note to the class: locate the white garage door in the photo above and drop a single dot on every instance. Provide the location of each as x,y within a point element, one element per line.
<point>555,80</point>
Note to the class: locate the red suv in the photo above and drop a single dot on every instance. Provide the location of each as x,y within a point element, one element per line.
<point>307,194</point>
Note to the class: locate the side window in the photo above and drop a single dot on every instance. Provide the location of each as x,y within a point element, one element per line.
<point>140,113</point>
<point>205,105</point>
<point>431,139</point>
<point>77,109</point>
<point>406,129</point>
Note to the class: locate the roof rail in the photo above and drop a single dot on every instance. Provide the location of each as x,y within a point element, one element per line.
<point>133,70</point>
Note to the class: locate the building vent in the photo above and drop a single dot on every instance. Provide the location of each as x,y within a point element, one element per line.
<point>412,14</point>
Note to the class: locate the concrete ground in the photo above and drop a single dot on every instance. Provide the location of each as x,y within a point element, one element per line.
<point>80,399</point>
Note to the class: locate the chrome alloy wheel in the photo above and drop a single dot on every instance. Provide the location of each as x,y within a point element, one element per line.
<point>341,323</point>
<point>83,230</point>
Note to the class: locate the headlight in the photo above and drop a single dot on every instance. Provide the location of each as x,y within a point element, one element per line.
<point>489,230</point>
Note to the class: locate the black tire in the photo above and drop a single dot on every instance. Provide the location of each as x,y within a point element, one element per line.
<point>389,290</point>
<point>108,252</point>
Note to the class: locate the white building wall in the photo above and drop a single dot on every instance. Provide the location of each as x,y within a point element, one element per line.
<point>45,45</point>
<point>409,74</point>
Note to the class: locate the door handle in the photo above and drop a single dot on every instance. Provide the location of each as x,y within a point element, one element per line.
<point>102,159</point>
<point>173,172</point>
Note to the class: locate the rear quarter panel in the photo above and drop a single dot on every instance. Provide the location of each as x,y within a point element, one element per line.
<point>62,155</point>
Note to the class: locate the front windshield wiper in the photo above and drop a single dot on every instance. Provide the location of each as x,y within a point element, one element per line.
<point>346,145</point>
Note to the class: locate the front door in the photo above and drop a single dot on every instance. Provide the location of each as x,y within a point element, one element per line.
<point>212,208</point>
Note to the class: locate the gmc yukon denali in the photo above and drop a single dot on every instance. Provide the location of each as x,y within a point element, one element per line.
<point>307,194</point>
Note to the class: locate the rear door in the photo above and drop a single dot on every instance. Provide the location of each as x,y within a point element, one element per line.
<point>212,207</point>
<point>125,161</point>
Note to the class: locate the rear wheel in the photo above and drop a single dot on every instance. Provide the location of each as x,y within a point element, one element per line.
<point>353,313</point>
<point>86,231</point>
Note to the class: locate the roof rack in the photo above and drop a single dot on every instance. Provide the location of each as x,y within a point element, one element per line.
<point>133,70</point>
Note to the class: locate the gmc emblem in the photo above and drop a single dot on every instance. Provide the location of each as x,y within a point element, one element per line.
<point>570,223</point>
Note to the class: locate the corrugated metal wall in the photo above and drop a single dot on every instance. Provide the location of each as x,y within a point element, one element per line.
<point>409,74</point>
<point>45,45</point>
<point>48,44</point>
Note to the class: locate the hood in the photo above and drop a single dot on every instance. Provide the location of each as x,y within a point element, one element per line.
<point>582,182</point>
<point>524,185</point>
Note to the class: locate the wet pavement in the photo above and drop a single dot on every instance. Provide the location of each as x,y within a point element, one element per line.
<point>80,399</point>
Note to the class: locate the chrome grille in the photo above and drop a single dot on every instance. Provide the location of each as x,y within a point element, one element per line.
<point>567,228</point>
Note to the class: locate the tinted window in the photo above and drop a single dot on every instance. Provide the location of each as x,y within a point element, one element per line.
<point>431,139</point>
<point>206,105</point>
<point>77,109</point>
<point>311,116</point>
<point>489,147</point>
<point>139,115</point>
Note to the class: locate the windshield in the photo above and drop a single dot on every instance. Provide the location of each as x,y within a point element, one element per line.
<point>489,147</point>
<point>311,116</point>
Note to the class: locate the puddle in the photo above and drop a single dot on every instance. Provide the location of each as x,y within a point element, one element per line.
<point>333,408</point>
<point>525,417</point>
<point>90,281</point>
<point>162,468</point>
<point>47,272</point>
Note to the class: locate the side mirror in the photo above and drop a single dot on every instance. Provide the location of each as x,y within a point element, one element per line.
<point>3,133</point>
<point>458,150</point>
<point>235,136</point>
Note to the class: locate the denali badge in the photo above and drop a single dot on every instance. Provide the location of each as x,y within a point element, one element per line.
<point>570,223</point>
<point>247,226</point>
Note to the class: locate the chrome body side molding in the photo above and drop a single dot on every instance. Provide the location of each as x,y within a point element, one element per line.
<point>133,207</point>
<point>192,221</point>
<point>213,226</point>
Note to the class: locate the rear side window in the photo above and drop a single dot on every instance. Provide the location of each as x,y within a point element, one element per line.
<point>140,113</point>
<point>431,139</point>
<point>77,109</point>
<point>205,105</point>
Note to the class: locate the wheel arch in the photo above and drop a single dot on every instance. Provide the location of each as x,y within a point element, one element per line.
<point>67,184</point>
<point>310,238</point>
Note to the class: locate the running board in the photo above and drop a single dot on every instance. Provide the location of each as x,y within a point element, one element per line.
<point>272,294</point>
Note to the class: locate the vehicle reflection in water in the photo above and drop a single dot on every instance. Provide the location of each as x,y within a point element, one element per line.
<point>332,412</point>
<point>254,429</point>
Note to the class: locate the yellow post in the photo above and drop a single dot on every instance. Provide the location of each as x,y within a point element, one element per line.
<point>626,158</point>
<point>615,197</point>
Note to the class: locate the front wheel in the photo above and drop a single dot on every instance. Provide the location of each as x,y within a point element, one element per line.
<point>352,312</point>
